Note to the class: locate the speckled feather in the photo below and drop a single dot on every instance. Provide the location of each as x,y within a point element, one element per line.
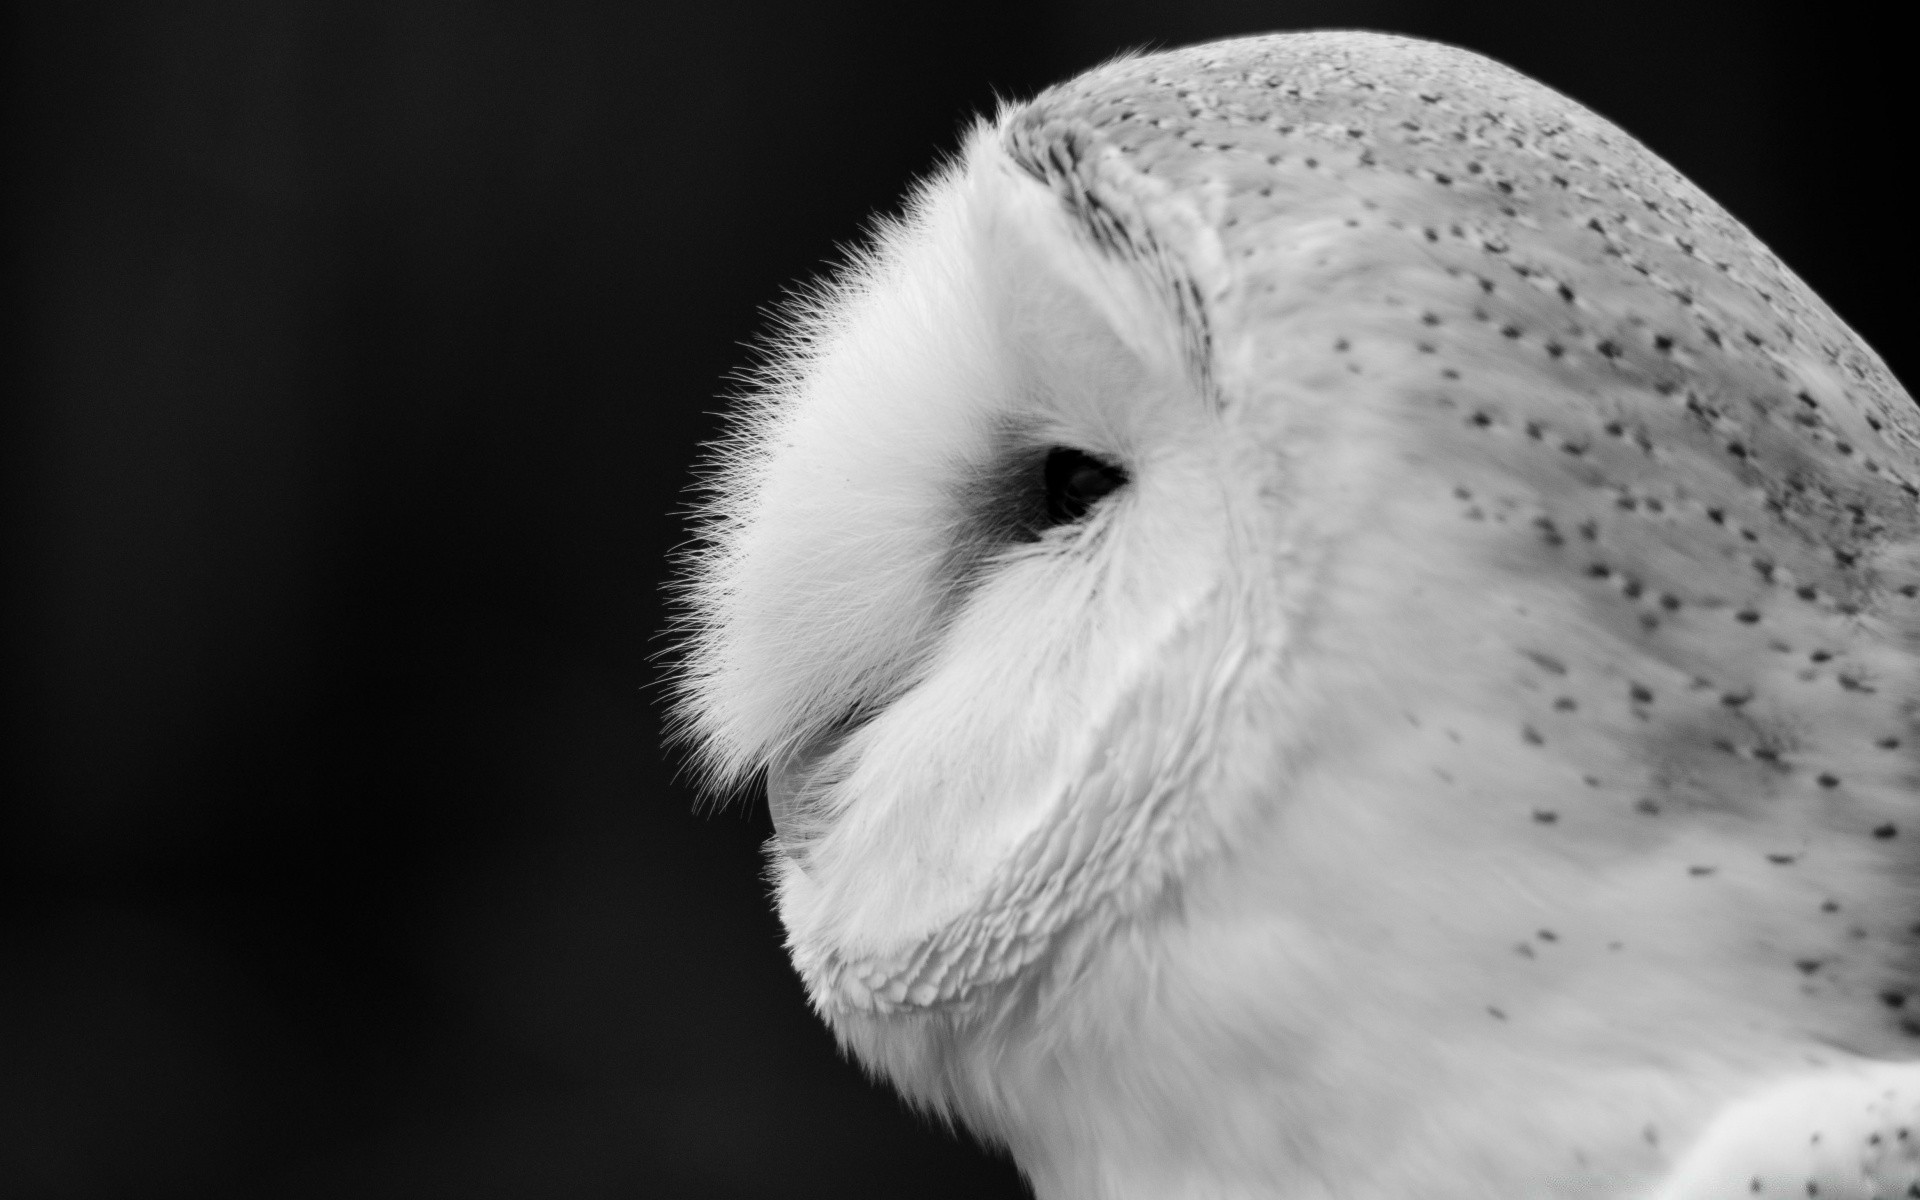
<point>1532,794</point>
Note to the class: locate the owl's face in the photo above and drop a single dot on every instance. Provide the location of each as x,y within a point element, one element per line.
<point>1198,592</point>
<point>1000,501</point>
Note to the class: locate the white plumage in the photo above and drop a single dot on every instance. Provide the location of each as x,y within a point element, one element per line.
<point>1322,624</point>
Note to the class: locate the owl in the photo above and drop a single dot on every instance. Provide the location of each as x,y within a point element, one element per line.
<point>1318,622</point>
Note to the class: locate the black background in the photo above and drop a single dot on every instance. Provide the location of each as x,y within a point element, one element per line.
<point>358,355</point>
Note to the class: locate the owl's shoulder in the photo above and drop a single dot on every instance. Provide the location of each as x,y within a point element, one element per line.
<point>1836,1133</point>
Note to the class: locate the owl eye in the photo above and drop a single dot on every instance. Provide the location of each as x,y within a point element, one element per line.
<point>1076,481</point>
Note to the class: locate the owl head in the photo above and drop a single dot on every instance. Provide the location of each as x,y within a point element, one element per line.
<point>1275,527</point>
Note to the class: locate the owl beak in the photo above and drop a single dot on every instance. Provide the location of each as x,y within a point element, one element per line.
<point>796,782</point>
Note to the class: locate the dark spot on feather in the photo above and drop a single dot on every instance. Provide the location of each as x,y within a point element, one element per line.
<point>1546,662</point>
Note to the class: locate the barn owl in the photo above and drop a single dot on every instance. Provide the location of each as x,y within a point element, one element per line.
<point>1318,622</point>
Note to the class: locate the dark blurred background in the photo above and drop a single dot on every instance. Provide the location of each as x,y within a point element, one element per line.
<point>359,353</point>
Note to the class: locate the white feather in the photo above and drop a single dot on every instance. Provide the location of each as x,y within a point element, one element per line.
<point>1468,755</point>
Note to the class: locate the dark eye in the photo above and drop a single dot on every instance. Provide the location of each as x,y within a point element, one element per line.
<point>1076,481</point>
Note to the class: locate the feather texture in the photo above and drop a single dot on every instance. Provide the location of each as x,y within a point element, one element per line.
<point>1471,753</point>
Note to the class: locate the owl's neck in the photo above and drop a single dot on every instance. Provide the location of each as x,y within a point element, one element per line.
<point>1297,1022</point>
